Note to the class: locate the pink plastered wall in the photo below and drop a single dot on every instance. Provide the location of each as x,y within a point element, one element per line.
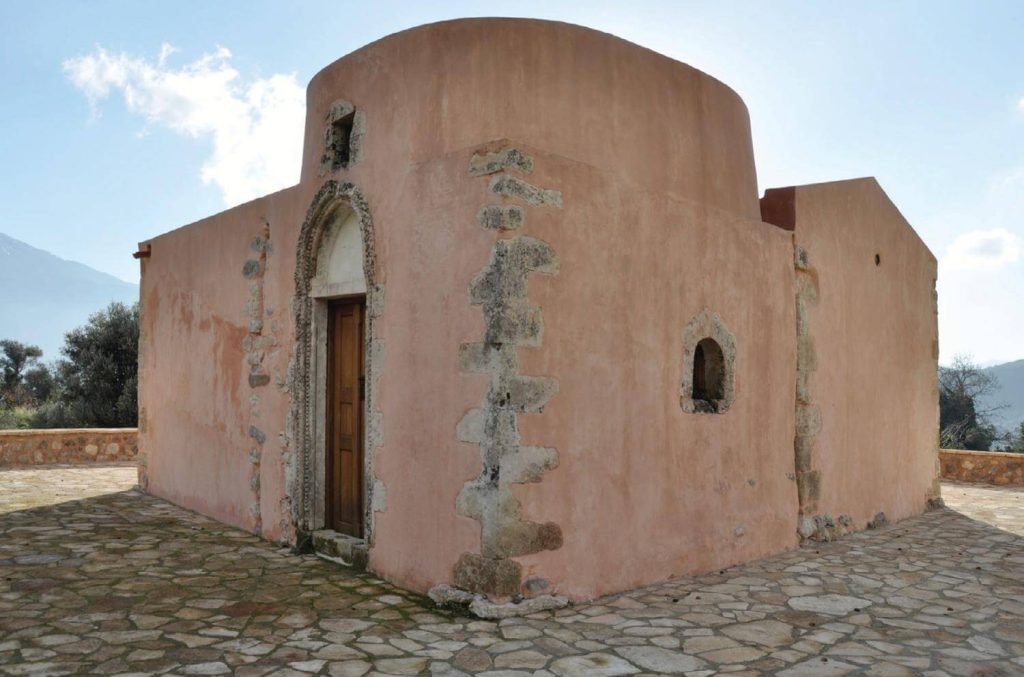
<point>875,338</point>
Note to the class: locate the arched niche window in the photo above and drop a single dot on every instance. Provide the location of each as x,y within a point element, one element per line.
<point>709,355</point>
<point>708,372</point>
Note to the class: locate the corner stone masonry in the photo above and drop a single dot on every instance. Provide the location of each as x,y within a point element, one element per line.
<point>511,322</point>
<point>67,446</point>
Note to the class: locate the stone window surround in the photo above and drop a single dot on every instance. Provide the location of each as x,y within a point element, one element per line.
<point>706,325</point>
<point>342,118</point>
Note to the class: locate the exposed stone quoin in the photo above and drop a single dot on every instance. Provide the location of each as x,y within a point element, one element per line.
<point>484,163</point>
<point>808,414</point>
<point>511,186</point>
<point>510,321</point>
<point>256,344</point>
<point>500,217</point>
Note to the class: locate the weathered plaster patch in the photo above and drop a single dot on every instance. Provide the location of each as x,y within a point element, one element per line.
<point>511,186</point>
<point>707,325</point>
<point>300,434</point>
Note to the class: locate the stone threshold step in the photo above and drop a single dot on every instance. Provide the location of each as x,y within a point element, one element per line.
<point>341,549</point>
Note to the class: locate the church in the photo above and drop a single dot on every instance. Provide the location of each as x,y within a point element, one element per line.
<point>525,328</point>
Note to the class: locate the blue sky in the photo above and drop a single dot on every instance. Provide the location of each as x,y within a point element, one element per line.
<point>109,137</point>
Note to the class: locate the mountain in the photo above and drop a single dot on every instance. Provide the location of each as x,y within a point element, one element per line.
<point>1010,392</point>
<point>43,296</point>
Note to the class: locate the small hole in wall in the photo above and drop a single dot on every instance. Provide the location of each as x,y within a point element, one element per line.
<point>340,142</point>
<point>708,375</point>
<point>878,259</point>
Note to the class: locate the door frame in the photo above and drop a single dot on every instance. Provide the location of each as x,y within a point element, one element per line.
<point>304,434</point>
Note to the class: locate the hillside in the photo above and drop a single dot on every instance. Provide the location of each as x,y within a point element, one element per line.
<point>43,296</point>
<point>1011,392</point>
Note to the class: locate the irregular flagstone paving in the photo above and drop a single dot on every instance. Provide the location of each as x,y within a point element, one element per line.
<point>24,488</point>
<point>125,583</point>
<point>1001,507</point>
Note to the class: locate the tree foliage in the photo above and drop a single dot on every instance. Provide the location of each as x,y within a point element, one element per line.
<point>19,362</point>
<point>98,376</point>
<point>1015,440</point>
<point>964,423</point>
<point>95,384</point>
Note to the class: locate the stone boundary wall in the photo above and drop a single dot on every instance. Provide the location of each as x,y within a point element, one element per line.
<point>989,467</point>
<point>67,445</point>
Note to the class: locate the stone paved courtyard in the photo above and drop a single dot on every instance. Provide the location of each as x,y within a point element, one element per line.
<point>97,578</point>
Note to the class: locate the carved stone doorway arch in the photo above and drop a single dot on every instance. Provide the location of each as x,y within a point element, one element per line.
<point>305,476</point>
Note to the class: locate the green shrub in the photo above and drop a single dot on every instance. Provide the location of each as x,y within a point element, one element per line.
<point>18,417</point>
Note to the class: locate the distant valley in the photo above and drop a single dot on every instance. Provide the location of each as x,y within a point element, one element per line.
<point>43,296</point>
<point>1010,392</point>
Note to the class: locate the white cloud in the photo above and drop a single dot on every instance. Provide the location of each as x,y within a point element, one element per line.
<point>1020,104</point>
<point>983,250</point>
<point>256,128</point>
<point>978,313</point>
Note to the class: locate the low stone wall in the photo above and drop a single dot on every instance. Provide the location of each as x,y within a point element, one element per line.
<point>67,445</point>
<point>989,467</point>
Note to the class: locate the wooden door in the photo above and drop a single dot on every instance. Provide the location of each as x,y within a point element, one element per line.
<point>345,393</point>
